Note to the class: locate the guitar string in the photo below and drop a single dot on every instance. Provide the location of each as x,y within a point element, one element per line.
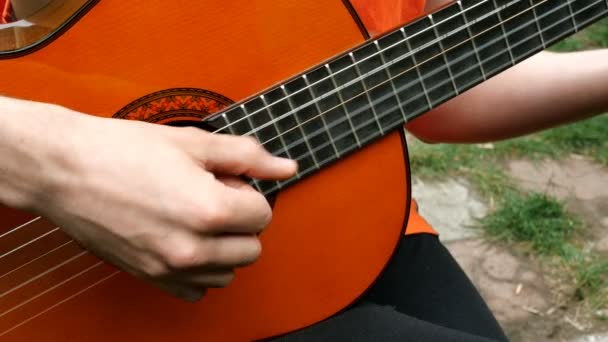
<point>19,227</point>
<point>49,289</point>
<point>326,78</point>
<point>371,72</point>
<point>36,259</point>
<point>400,103</point>
<point>309,87</point>
<point>444,67</point>
<point>411,83</point>
<point>468,24</point>
<point>42,274</point>
<point>367,74</point>
<point>29,242</point>
<point>29,280</point>
<point>60,302</point>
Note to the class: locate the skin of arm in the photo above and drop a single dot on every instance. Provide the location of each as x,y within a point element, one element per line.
<point>183,227</point>
<point>544,91</point>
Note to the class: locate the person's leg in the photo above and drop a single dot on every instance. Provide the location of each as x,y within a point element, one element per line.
<point>372,322</point>
<point>423,295</point>
<point>424,281</point>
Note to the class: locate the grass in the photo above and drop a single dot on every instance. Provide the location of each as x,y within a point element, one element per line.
<point>533,218</point>
<point>537,222</point>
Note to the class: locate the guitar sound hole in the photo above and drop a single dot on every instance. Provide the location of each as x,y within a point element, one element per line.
<point>191,123</point>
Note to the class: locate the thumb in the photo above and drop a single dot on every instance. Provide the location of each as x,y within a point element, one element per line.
<point>235,155</point>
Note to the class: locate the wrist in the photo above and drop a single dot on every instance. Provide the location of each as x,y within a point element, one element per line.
<point>36,161</point>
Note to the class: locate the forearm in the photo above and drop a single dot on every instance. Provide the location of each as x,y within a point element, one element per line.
<point>544,91</point>
<point>31,161</point>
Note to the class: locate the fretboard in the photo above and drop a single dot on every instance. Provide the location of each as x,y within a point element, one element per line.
<point>358,97</point>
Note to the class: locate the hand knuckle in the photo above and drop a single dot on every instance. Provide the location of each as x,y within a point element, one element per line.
<point>203,217</point>
<point>182,255</point>
<point>214,215</point>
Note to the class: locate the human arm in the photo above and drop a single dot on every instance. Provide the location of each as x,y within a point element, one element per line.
<point>145,197</point>
<point>544,91</point>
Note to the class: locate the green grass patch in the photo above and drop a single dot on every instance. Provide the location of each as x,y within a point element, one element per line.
<point>590,273</point>
<point>533,218</point>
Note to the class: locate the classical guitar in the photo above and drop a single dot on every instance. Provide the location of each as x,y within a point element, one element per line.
<point>229,67</point>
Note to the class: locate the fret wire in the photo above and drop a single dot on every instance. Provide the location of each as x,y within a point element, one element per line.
<point>537,22</point>
<point>487,44</point>
<point>504,33</point>
<point>316,104</point>
<point>445,58</point>
<point>426,93</point>
<point>392,82</point>
<point>343,103</point>
<point>366,91</point>
<point>468,25</point>
<point>291,107</point>
<point>230,127</point>
<point>276,127</point>
<point>572,15</point>
<point>249,120</point>
<point>256,183</point>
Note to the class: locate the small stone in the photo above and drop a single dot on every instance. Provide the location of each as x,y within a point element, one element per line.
<point>593,338</point>
<point>450,207</point>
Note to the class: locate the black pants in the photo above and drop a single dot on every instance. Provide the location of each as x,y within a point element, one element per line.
<point>423,295</point>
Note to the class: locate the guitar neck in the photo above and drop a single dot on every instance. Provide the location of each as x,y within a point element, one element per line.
<point>358,97</point>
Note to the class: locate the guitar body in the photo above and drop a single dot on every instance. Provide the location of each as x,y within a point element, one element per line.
<point>179,61</point>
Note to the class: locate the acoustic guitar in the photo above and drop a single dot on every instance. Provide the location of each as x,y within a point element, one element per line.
<point>306,80</point>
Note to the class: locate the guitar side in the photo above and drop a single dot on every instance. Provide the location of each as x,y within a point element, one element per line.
<point>331,235</point>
